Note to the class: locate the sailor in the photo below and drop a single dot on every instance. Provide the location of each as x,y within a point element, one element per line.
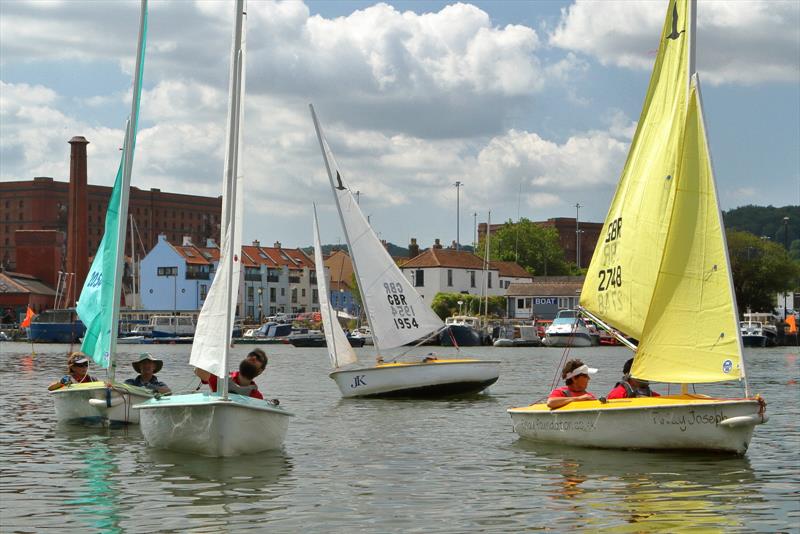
<point>576,376</point>
<point>147,367</point>
<point>77,372</point>
<point>241,381</point>
<point>631,387</point>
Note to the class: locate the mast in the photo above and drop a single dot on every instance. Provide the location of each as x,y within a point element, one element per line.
<point>231,177</point>
<point>130,143</point>
<point>486,269</point>
<point>375,341</point>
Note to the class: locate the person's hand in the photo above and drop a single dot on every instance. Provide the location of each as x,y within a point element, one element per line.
<point>65,380</point>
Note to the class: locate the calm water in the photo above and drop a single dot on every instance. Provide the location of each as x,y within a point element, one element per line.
<point>388,466</point>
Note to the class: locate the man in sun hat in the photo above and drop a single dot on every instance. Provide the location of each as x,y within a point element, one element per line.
<point>576,376</point>
<point>147,367</point>
<point>77,372</point>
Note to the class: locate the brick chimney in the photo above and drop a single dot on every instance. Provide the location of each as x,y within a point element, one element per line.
<point>77,219</point>
<point>256,243</point>
<point>437,244</point>
<point>277,244</point>
<point>413,248</point>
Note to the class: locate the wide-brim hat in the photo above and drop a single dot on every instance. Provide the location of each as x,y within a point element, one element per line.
<point>146,356</point>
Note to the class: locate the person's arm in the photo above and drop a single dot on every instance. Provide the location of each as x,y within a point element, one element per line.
<point>162,388</point>
<point>202,374</point>
<point>60,384</point>
<point>558,402</point>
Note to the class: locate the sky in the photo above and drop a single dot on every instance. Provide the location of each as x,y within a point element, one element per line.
<point>530,105</point>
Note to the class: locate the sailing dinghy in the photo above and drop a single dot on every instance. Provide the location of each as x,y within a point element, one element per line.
<point>221,423</point>
<point>396,314</point>
<point>99,302</point>
<point>662,276</point>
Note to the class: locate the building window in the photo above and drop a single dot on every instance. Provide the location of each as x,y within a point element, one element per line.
<point>294,295</point>
<point>203,291</point>
<point>272,294</point>
<point>490,280</point>
<point>472,279</point>
<point>419,278</point>
<point>314,296</point>
<point>167,271</point>
<point>283,291</point>
<point>250,293</point>
<point>449,277</point>
<point>520,303</point>
<point>303,292</point>
<point>563,302</point>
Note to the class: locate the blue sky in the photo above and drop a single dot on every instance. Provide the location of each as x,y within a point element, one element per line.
<point>506,96</point>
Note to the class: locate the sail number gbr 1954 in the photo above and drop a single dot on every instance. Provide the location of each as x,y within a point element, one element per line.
<point>402,312</point>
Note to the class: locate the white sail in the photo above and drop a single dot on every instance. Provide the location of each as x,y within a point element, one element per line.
<point>396,313</point>
<point>212,337</point>
<point>339,348</point>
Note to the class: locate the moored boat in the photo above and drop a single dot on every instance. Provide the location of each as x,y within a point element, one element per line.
<point>56,326</point>
<point>569,330</point>
<point>461,331</point>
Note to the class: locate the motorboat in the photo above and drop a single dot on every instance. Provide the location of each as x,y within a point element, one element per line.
<point>568,329</point>
<point>518,336</point>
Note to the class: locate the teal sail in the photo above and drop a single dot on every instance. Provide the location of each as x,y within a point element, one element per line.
<point>98,305</point>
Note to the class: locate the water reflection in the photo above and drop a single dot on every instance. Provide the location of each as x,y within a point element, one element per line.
<point>98,504</point>
<point>208,492</point>
<point>656,491</point>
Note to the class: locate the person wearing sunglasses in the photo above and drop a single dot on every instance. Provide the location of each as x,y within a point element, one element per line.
<point>77,372</point>
<point>576,377</point>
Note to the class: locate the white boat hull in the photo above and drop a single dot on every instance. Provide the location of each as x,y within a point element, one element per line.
<point>568,340</point>
<point>431,379</point>
<point>92,403</point>
<point>206,425</point>
<point>666,423</point>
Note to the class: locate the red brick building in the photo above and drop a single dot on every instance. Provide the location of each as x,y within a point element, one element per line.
<point>41,204</point>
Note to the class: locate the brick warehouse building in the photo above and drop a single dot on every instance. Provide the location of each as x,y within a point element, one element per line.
<point>41,204</point>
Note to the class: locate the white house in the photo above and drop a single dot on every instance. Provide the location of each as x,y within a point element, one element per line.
<point>439,270</point>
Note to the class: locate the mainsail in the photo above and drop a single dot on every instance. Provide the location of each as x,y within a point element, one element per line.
<point>621,277</point>
<point>691,334</point>
<point>212,337</point>
<point>339,348</point>
<point>98,306</point>
<point>396,313</point>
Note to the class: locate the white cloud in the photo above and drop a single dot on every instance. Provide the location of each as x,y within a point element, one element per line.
<point>742,42</point>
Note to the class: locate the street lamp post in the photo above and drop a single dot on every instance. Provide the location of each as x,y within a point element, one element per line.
<point>458,214</point>
<point>260,303</point>
<point>786,245</point>
<point>577,236</point>
<point>460,302</point>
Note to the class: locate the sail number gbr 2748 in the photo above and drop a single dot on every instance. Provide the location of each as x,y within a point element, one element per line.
<point>610,278</point>
<point>402,312</point>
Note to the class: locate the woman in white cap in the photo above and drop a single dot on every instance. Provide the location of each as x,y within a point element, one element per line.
<point>147,367</point>
<point>77,372</point>
<point>576,376</point>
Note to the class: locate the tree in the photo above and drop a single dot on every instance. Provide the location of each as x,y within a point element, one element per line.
<point>760,269</point>
<point>534,247</point>
<point>446,305</point>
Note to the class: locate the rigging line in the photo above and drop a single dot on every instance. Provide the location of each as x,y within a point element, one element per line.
<point>422,340</point>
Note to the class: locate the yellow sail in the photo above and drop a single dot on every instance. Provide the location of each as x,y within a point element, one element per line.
<point>691,334</point>
<point>621,277</point>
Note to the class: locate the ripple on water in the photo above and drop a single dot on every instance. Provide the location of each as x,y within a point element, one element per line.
<point>387,466</point>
